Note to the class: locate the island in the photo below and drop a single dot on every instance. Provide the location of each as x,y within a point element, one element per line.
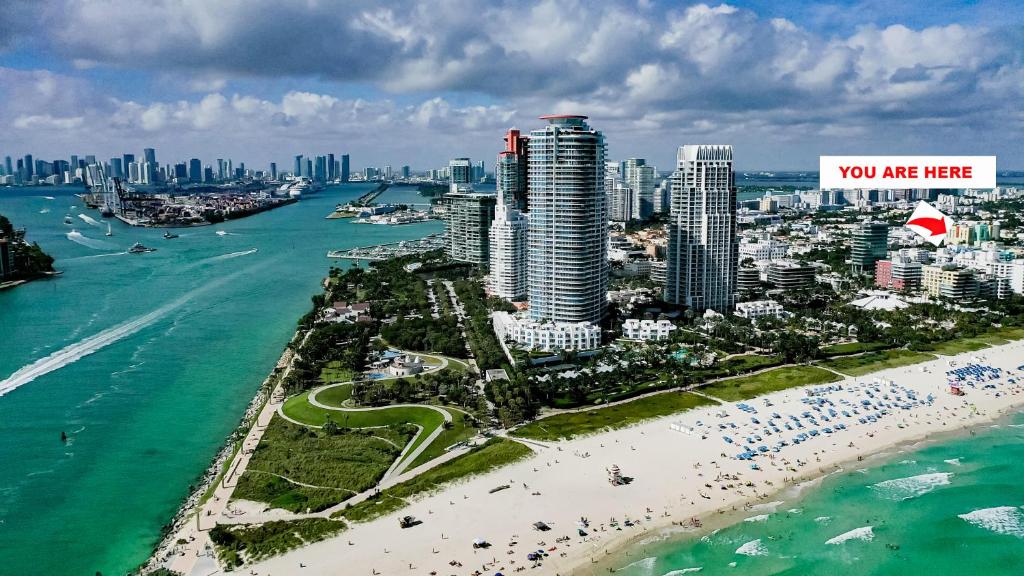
<point>21,261</point>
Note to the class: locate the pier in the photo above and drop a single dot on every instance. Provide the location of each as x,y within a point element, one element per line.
<point>392,249</point>
<point>370,196</point>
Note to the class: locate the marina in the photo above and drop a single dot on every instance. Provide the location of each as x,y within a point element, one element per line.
<point>392,249</point>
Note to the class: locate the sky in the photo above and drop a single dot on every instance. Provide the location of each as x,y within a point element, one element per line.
<point>420,82</point>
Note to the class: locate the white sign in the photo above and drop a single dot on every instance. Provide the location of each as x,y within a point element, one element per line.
<point>859,172</point>
<point>929,223</point>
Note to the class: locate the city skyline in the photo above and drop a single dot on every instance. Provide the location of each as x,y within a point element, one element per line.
<point>783,83</point>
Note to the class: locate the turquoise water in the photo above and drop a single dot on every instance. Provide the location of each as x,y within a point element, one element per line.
<point>161,354</point>
<point>954,507</point>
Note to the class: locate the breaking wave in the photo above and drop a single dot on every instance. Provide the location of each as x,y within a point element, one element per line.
<point>864,533</point>
<point>758,518</point>
<point>1007,520</point>
<point>911,487</point>
<point>752,548</point>
<point>683,571</point>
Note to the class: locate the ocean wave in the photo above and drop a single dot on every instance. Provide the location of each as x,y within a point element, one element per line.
<point>752,548</point>
<point>683,571</point>
<point>758,518</point>
<point>768,506</point>
<point>823,519</point>
<point>953,461</point>
<point>1007,520</point>
<point>865,533</point>
<point>795,510</point>
<point>911,487</point>
<point>908,462</point>
<point>646,564</point>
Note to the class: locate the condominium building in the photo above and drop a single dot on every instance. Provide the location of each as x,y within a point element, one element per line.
<point>790,275</point>
<point>901,272</point>
<point>508,231</point>
<point>460,171</point>
<point>567,239</point>
<point>469,216</point>
<point>870,244</point>
<point>546,335</point>
<point>759,309</point>
<point>762,248</point>
<point>702,248</point>
<point>635,329</point>
<point>641,180</point>
<point>510,171</point>
<point>620,202</point>
<point>949,282</point>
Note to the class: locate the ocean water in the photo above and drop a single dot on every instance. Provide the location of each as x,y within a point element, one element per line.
<point>146,361</point>
<point>951,507</point>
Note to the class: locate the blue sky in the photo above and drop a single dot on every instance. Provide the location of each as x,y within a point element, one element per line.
<point>419,82</point>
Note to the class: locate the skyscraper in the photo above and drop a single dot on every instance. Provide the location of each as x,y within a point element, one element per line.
<point>195,170</point>
<point>567,244</point>
<point>298,166</point>
<point>320,169</point>
<point>29,167</point>
<point>510,171</point>
<point>344,168</point>
<point>702,246</point>
<point>508,231</point>
<point>870,244</point>
<point>331,174</point>
<point>273,170</point>
<point>117,171</point>
<point>460,171</point>
<point>8,167</point>
<point>469,216</point>
<point>640,179</point>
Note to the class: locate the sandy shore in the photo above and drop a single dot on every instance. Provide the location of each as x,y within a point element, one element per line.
<point>677,477</point>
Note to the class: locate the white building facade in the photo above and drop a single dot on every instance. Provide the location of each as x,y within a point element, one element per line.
<point>634,329</point>
<point>546,335</point>
<point>567,249</point>
<point>702,247</point>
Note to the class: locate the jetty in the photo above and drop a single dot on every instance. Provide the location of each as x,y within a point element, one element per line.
<point>393,249</point>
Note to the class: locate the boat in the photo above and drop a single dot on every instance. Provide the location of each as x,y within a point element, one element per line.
<point>139,249</point>
<point>67,219</point>
<point>169,235</point>
<point>221,233</point>
<point>109,231</point>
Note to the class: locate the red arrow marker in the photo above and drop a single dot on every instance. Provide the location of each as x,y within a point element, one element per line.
<point>933,225</point>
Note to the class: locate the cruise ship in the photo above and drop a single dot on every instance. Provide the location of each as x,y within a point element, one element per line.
<point>298,188</point>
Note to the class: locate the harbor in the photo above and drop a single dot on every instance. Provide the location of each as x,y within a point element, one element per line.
<point>392,249</point>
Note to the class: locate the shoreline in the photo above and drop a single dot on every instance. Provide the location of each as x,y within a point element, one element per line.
<point>170,532</point>
<point>663,535</point>
<point>669,467</point>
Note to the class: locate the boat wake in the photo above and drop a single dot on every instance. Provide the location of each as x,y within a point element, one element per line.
<point>865,533</point>
<point>1007,520</point>
<point>912,487</point>
<point>231,255</point>
<point>82,348</point>
<point>90,220</point>
<point>78,238</point>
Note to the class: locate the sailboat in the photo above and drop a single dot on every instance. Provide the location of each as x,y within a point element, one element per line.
<point>109,232</point>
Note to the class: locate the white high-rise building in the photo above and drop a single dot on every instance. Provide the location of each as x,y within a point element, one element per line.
<point>663,197</point>
<point>641,179</point>
<point>460,171</point>
<point>702,248</point>
<point>567,240</point>
<point>508,232</point>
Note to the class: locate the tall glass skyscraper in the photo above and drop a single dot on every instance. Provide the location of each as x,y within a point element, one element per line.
<point>702,244</point>
<point>567,238</point>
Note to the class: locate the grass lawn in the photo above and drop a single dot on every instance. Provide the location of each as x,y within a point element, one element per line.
<point>749,362</point>
<point>245,543</point>
<point>571,424</point>
<point>494,453</point>
<point>333,372</point>
<point>336,466</point>
<point>952,347</point>
<point>770,381</point>
<point>460,431</point>
<point>853,348</point>
<point>335,396</point>
<point>299,408</point>
<point>875,361</point>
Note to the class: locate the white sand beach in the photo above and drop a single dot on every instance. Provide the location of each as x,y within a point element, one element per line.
<point>678,475</point>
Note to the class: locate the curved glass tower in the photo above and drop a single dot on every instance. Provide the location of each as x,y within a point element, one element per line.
<point>567,238</point>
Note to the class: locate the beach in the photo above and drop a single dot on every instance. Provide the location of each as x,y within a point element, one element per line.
<point>679,479</point>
